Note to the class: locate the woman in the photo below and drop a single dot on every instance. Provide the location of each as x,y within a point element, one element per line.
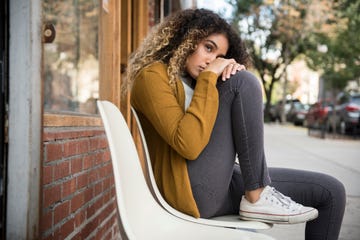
<point>200,110</point>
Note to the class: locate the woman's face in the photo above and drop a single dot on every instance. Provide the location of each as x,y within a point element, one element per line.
<point>216,45</point>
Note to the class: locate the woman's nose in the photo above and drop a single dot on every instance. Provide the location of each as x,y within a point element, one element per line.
<point>210,58</point>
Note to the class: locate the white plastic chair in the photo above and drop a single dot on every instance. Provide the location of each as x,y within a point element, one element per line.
<point>140,215</point>
<point>230,221</point>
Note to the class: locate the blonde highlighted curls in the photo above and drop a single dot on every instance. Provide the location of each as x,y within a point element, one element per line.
<point>173,40</point>
<point>178,60</point>
<point>146,54</point>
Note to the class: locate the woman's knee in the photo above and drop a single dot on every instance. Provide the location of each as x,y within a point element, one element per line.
<point>334,191</point>
<point>245,80</point>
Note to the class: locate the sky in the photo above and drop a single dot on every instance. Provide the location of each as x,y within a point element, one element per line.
<point>219,6</point>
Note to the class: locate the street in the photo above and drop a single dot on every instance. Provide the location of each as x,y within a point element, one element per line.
<point>289,146</point>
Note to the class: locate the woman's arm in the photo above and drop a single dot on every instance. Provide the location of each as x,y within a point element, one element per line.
<point>187,132</point>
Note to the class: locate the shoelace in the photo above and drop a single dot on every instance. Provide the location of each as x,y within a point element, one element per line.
<point>284,200</point>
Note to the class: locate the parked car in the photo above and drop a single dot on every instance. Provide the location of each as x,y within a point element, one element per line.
<point>276,109</point>
<point>346,115</point>
<point>297,113</point>
<point>317,115</point>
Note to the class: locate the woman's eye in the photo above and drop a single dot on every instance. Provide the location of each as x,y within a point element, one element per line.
<point>208,48</point>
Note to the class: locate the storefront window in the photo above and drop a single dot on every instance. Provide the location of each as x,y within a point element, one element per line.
<point>71,63</point>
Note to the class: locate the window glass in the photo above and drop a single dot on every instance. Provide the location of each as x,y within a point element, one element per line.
<point>71,64</point>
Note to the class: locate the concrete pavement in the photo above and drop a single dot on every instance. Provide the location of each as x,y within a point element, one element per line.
<point>289,146</point>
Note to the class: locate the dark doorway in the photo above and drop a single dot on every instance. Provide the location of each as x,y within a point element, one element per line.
<point>4,18</point>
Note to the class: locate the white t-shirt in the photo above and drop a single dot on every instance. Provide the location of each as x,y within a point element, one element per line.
<point>189,91</point>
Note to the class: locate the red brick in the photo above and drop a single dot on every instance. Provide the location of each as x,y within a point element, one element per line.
<point>68,187</point>
<point>76,165</point>
<point>109,169</point>
<point>77,144</point>
<point>62,170</point>
<point>77,201</point>
<point>106,197</point>
<point>99,142</point>
<point>103,143</point>
<point>65,229</point>
<point>54,134</point>
<point>70,149</point>
<point>102,172</point>
<point>88,162</point>
<point>112,190</point>
<point>82,181</point>
<point>83,146</point>
<point>52,195</point>
<point>102,215</point>
<point>79,218</point>
<point>78,236</point>
<point>112,180</point>
<point>88,194</point>
<point>47,175</point>
<point>106,184</point>
<point>61,211</point>
<point>88,228</point>
<point>105,171</point>
<point>53,152</point>
<point>106,156</point>
<point>107,211</point>
<point>94,144</point>
<point>48,136</point>
<point>91,210</point>
<point>100,235</point>
<point>98,188</point>
<point>92,176</point>
<point>46,221</point>
<point>98,158</point>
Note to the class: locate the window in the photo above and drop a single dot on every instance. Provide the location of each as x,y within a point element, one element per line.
<point>71,61</point>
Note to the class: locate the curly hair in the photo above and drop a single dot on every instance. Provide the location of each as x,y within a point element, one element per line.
<point>173,40</point>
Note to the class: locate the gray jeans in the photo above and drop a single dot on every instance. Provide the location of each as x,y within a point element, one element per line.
<point>218,182</point>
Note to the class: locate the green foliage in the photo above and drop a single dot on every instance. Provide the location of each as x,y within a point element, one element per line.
<point>275,32</point>
<point>325,32</point>
<point>341,60</point>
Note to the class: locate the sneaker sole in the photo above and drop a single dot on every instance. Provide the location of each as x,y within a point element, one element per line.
<point>279,219</point>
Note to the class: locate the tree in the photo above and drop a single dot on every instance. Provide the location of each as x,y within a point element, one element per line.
<point>341,60</point>
<point>276,33</point>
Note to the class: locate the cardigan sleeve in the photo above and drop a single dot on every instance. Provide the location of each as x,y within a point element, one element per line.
<point>186,132</point>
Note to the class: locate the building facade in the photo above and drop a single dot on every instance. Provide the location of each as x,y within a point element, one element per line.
<point>57,58</point>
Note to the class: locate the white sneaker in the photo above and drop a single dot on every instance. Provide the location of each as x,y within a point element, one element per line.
<point>274,207</point>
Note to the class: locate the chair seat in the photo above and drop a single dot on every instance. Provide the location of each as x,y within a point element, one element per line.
<point>166,226</point>
<point>141,216</point>
<point>236,222</point>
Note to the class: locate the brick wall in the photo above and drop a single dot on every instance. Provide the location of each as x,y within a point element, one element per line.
<point>78,192</point>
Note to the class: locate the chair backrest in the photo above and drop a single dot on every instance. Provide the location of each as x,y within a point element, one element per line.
<point>148,167</point>
<point>134,198</point>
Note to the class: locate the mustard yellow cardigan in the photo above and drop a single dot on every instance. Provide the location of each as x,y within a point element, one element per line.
<point>172,134</point>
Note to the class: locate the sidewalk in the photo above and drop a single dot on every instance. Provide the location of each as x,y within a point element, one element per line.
<point>288,146</point>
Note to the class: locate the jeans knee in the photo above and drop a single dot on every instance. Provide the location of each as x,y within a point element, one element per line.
<point>243,88</point>
<point>336,193</point>
<point>246,81</point>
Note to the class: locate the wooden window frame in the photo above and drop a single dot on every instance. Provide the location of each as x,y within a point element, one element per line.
<point>122,26</point>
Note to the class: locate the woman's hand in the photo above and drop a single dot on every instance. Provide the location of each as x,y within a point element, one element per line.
<point>224,67</point>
